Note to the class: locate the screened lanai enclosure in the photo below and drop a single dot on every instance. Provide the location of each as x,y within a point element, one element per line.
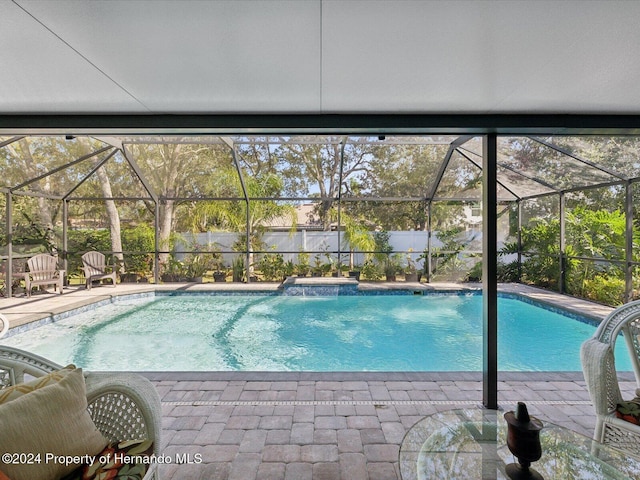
<point>261,208</point>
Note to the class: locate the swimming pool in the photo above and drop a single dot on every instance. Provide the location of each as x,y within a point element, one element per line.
<point>289,333</point>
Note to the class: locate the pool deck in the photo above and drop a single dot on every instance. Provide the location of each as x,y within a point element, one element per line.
<point>321,425</point>
<point>334,425</point>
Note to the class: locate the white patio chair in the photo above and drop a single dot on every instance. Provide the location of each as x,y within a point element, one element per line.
<point>95,268</point>
<point>598,365</point>
<point>43,271</point>
<point>123,406</point>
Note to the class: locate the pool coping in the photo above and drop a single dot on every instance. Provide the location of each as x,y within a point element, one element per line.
<point>270,376</point>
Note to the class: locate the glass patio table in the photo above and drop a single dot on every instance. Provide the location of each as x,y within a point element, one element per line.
<point>472,444</point>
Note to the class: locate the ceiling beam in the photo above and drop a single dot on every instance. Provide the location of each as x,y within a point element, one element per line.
<point>343,124</point>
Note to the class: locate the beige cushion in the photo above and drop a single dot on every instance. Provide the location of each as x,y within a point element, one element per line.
<point>50,420</point>
<point>15,391</point>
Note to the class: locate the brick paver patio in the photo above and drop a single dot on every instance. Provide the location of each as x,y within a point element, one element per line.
<point>320,426</point>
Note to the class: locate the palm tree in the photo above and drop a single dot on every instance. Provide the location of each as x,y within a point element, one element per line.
<point>356,235</point>
<point>250,218</point>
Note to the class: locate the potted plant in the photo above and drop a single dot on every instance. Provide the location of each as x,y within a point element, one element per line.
<point>392,267</point>
<point>355,272</point>
<point>220,272</point>
<point>288,269</point>
<point>410,270</point>
<point>318,268</point>
<point>138,269</point>
<point>424,257</point>
<point>196,265</point>
<point>237,268</point>
<point>272,266</point>
<point>220,275</point>
<point>342,269</point>
<point>302,268</point>
<point>390,271</point>
<point>171,270</point>
<point>330,267</point>
<point>371,270</point>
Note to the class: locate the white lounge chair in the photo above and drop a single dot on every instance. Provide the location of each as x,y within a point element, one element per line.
<point>599,368</point>
<point>43,271</point>
<point>95,268</point>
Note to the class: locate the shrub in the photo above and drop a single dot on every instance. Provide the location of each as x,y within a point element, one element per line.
<point>138,239</point>
<point>605,289</point>
<point>272,266</point>
<point>371,270</point>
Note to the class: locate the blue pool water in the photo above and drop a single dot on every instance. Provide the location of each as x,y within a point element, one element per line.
<point>285,333</point>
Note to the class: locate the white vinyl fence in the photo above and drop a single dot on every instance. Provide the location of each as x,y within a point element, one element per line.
<point>317,243</point>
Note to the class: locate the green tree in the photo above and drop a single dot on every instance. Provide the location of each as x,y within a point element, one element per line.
<point>177,171</point>
<point>232,215</point>
<point>313,168</point>
<point>356,235</point>
<point>596,234</point>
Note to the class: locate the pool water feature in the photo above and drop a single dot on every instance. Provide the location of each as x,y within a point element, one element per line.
<point>308,333</point>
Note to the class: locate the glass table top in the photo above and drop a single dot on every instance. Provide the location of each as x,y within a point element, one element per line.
<point>472,444</point>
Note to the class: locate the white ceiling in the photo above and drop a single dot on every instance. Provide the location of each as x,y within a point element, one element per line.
<point>319,56</point>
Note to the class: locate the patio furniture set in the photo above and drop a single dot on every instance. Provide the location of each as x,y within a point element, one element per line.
<point>42,270</point>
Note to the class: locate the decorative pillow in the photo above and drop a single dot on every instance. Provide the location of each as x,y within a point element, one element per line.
<point>15,391</point>
<point>629,411</point>
<point>108,463</point>
<point>50,421</point>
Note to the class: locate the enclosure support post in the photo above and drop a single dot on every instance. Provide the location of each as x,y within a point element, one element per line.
<point>156,256</point>
<point>489,270</point>
<point>561,259</point>
<point>428,259</point>
<point>519,204</point>
<point>342,145</point>
<point>9,229</point>
<point>65,242</point>
<point>248,240</point>
<point>628,250</point>
<point>234,155</point>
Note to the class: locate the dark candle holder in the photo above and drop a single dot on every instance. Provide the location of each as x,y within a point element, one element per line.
<point>523,440</point>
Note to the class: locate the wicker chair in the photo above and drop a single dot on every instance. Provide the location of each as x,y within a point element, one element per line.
<point>123,406</point>
<point>598,365</point>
